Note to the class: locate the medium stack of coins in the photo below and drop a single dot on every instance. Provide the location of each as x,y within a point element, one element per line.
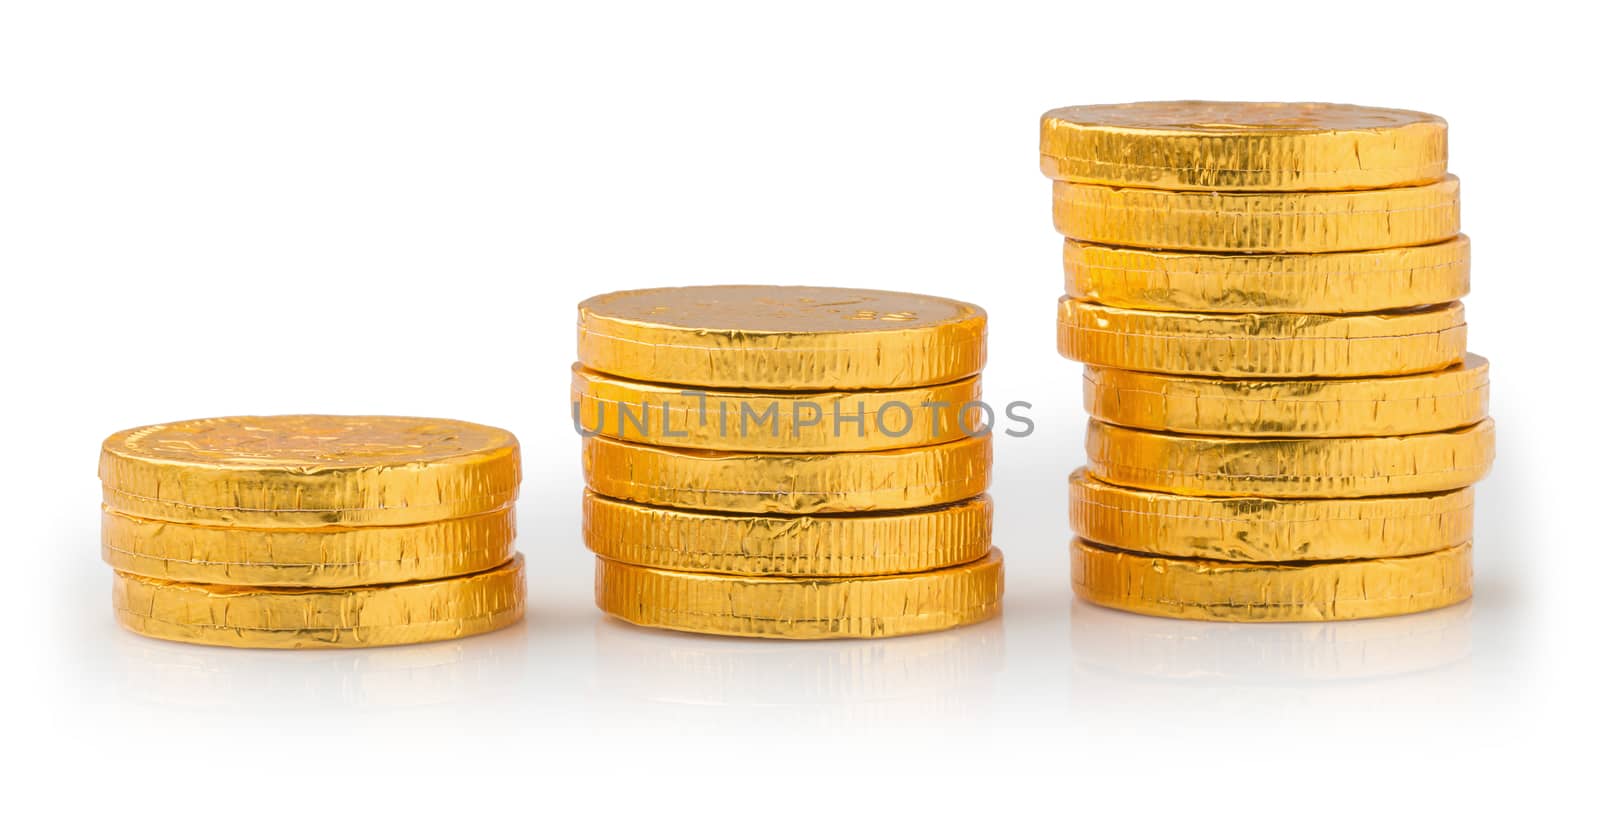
<point>1285,421</point>
<point>786,462</point>
<point>312,531</point>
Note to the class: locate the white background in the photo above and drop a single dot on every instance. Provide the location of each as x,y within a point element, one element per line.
<point>217,208</point>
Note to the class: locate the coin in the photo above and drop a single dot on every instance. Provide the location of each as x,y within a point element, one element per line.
<point>309,470</point>
<point>863,543</point>
<point>719,481</point>
<point>1299,222</point>
<point>1232,145</point>
<point>235,616</point>
<point>1263,344</point>
<point>1338,467</point>
<point>323,556</point>
<point>1265,528</point>
<point>785,338</point>
<point>1412,404</point>
<point>1232,591</point>
<point>767,607</point>
<point>775,421</point>
<point>1364,281</point>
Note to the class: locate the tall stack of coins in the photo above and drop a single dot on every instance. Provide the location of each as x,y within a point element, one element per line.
<point>1285,421</point>
<point>312,531</point>
<point>786,462</point>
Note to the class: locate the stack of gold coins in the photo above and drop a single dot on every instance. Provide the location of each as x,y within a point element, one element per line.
<point>786,462</point>
<point>312,531</point>
<point>1285,423</point>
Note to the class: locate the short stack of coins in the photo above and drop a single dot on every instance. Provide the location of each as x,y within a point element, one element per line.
<point>1285,424</point>
<point>786,462</point>
<point>312,531</point>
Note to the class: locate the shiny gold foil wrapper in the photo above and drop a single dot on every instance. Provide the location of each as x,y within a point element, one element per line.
<point>322,556</point>
<point>784,338</point>
<point>774,421</point>
<point>872,543</point>
<point>1231,591</point>
<point>235,616</point>
<point>1364,281</point>
<point>1259,222</point>
<point>1267,529</point>
<point>717,481</point>
<point>1369,406</point>
<point>1262,344</point>
<point>1231,145</point>
<point>1337,467</point>
<point>309,470</point>
<point>765,607</point>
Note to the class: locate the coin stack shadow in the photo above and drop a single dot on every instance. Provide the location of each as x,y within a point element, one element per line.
<point>298,532</point>
<point>785,462</point>
<point>1285,424</point>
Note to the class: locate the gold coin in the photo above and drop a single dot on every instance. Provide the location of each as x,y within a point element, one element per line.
<point>322,556</point>
<point>788,338</point>
<point>776,421</point>
<point>1229,145</point>
<point>1263,344</point>
<point>766,607</point>
<point>1411,404</point>
<point>1259,222</point>
<point>236,616</point>
<point>1232,591</point>
<point>1267,529</point>
<point>872,543</point>
<point>718,481</point>
<point>1341,467</point>
<point>1364,281</point>
<point>309,470</point>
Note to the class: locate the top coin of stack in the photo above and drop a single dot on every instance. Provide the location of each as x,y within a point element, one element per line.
<point>787,462</point>
<point>1285,418</point>
<point>312,531</point>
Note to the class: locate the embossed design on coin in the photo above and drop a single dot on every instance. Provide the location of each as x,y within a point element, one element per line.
<point>310,439</point>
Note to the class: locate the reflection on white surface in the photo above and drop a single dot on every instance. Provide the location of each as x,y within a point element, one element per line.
<point>222,679</point>
<point>877,680</point>
<point>1053,661</point>
<point>1121,659</point>
<point>1167,648</point>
